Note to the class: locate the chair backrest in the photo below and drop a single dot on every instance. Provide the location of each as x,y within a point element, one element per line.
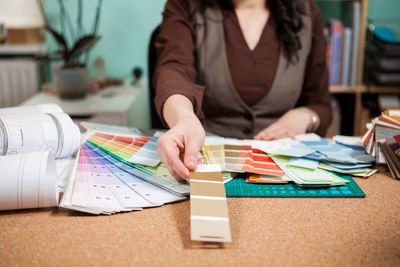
<point>152,59</point>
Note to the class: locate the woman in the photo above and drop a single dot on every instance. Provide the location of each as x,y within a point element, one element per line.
<point>243,68</point>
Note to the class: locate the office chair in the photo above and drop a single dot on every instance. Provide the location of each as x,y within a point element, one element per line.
<point>152,59</point>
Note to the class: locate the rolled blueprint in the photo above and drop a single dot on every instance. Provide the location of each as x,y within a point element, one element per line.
<point>24,110</point>
<point>24,133</point>
<point>28,180</point>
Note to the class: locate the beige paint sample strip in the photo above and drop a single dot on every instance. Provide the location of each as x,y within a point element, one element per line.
<point>208,208</point>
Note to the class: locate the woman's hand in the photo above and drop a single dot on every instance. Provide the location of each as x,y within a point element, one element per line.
<point>294,122</point>
<point>178,148</point>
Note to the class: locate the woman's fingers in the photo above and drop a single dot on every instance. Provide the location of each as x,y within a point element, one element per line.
<point>192,147</point>
<point>201,161</point>
<point>266,134</point>
<point>274,133</point>
<point>169,153</point>
<point>178,148</point>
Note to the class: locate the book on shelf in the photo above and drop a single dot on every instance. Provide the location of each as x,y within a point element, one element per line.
<point>335,36</point>
<point>346,56</point>
<point>343,45</point>
<point>353,20</point>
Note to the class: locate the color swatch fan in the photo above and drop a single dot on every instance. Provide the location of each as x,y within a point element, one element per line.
<point>123,149</point>
<point>98,186</point>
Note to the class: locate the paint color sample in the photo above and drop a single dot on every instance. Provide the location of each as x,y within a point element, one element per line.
<point>121,148</point>
<point>241,158</point>
<point>333,151</point>
<point>147,154</point>
<point>308,177</point>
<point>267,179</point>
<point>208,207</point>
<point>260,163</point>
<point>100,187</point>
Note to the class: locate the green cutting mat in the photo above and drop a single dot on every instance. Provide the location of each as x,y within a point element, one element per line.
<point>238,187</point>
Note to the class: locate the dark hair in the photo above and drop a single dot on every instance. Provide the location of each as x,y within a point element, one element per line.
<point>287,14</point>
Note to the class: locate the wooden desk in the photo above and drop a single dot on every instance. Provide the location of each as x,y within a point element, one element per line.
<point>265,231</point>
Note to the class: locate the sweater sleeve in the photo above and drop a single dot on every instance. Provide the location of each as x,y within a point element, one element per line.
<point>315,93</point>
<point>175,71</point>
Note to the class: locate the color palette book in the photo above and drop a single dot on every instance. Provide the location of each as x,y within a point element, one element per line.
<point>308,177</point>
<point>124,147</point>
<point>147,154</point>
<point>260,163</point>
<point>284,147</point>
<point>158,176</point>
<point>98,186</point>
<point>238,156</point>
<point>121,148</point>
<point>208,206</point>
<point>333,151</point>
<point>214,154</point>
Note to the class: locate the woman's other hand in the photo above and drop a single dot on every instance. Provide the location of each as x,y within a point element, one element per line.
<point>178,148</point>
<point>294,122</point>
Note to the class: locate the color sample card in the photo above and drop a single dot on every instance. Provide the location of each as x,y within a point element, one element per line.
<point>260,163</point>
<point>147,154</point>
<point>267,179</point>
<point>360,172</point>
<point>214,154</point>
<point>284,147</point>
<point>308,177</point>
<point>121,148</point>
<point>208,206</point>
<point>238,156</point>
<point>304,163</point>
<point>102,188</point>
<point>158,175</point>
<point>333,151</point>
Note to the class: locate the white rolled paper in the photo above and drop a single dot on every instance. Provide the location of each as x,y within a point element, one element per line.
<point>28,180</point>
<point>38,132</point>
<point>24,110</point>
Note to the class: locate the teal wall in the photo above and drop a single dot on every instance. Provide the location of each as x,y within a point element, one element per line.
<point>125,28</point>
<point>382,12</point>
<point>385,13</point>
<point>126,25</point>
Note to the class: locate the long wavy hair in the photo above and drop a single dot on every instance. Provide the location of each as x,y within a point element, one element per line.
<point>286,13</point>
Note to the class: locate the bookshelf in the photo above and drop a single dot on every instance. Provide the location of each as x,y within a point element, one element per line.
<point>376,89</point>
<point>359,89</point>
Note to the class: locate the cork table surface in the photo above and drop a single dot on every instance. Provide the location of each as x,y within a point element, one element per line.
<point>265,231</point>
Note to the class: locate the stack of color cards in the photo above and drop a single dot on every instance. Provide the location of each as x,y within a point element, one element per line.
<point>238,156</point>
<point>98,186</point>
<point>208,207</point>
<point>123,150</point>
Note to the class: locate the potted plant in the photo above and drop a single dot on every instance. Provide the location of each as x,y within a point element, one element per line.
<point>72,78</point>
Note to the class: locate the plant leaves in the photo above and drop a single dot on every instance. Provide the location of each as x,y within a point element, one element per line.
<point>59,38</point>
<point>83,44</point>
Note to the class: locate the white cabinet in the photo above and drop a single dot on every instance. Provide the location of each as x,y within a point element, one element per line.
<point>118,105</point>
